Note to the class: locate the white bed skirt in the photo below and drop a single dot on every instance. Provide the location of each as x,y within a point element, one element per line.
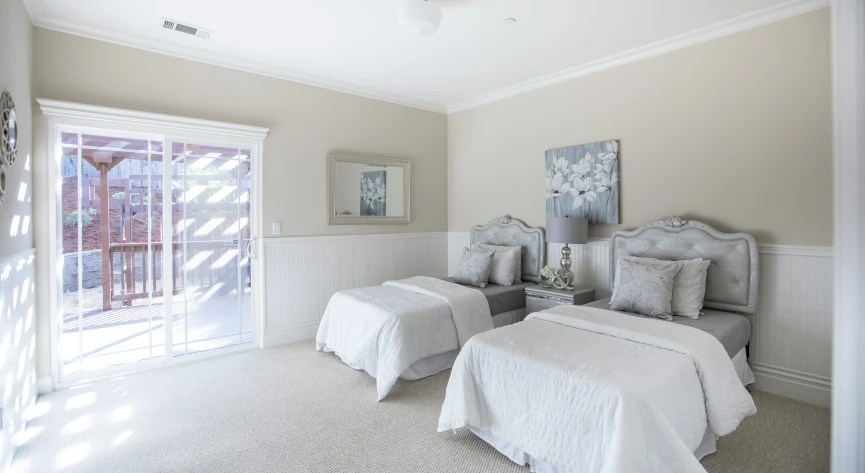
<point>437,363</point>
<point>518,456</point>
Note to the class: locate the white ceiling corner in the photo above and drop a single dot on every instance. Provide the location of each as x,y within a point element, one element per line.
<point>357,47</point>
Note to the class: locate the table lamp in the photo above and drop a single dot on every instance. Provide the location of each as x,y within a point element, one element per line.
<point>573,231</point>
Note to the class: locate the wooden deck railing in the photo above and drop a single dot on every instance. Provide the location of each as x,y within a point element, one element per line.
<point>136,283</point>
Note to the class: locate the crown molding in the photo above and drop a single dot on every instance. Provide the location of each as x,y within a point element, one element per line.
<point>58,109</point>
<point>754,19</point>
<point>40,18</point>
<point>35,9</point>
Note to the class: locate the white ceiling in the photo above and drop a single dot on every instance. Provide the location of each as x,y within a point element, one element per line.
<point>357,46</point>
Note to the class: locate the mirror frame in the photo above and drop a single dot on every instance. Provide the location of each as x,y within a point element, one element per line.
<point>333,219</point>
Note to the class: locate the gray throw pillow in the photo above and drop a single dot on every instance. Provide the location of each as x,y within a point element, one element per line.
<point>518,271</point>
<point>646,287</point>
<point>474,268</point>
<point>504,263</point>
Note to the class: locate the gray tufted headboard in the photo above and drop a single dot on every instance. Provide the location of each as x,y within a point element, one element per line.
<point>732,280</point>
<point>506,231</point>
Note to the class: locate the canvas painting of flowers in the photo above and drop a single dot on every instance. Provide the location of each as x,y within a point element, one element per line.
<point>583,182</point>
<point>373,190</point>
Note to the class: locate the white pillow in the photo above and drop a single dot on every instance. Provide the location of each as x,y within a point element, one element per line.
<point>689,287</point>
<point>518,272</point>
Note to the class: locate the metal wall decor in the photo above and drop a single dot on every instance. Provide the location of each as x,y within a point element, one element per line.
<point>8,138</point>
<point>2,182</point>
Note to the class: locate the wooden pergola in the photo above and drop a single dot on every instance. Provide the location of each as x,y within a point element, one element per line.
<point>104,162</point>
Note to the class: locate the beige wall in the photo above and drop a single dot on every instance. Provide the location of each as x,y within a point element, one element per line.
<point>305,124</point>
<point>735,132</point>
<point>16,58</point>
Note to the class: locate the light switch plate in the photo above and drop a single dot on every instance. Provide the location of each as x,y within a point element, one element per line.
<point>277,228</point>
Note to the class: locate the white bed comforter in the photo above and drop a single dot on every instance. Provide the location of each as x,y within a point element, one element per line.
<point>385,329</point>
<point>591,390</point>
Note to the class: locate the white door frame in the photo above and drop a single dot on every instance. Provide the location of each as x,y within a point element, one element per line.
<point>848,377</point>
<point>66,114</point>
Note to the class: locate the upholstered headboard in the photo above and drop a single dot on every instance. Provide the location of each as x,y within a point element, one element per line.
<point>506,231</point>
<point>733,276</point>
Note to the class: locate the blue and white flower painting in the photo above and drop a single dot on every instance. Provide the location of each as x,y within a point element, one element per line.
<point>373,189</point>
<point>583,182</point>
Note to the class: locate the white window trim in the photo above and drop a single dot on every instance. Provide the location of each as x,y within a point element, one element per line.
<point>64,114</point>
<point>848,378</point>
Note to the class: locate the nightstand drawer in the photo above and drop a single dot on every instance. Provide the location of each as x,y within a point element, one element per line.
<point>536,304</point>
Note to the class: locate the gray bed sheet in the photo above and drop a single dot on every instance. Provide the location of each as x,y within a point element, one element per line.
<point>733,330</point>
<point>504,298</point>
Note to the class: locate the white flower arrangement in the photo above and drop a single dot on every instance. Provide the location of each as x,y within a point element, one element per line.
<point>548,273</point>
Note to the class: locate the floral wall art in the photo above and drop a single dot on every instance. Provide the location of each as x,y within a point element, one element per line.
<point>583,182</point>
<point>373,189</point>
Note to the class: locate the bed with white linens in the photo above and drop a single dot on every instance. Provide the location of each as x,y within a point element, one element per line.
<point>415,327</point>
<point>588,389</point>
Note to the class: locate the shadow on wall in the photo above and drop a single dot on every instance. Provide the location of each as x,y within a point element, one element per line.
<point>17,351</point>
<point>19,224</point>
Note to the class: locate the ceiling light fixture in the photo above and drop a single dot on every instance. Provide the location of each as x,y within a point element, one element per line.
<point>419,17</point>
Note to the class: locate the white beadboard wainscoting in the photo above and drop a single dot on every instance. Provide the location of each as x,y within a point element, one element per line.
<point>791,342</point>
<point>17,347</point>
<point>303,272</point>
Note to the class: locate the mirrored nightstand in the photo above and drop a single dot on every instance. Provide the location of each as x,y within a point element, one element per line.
<point>541,298</point>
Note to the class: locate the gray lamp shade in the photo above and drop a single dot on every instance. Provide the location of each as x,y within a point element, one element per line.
<point>574,231</point>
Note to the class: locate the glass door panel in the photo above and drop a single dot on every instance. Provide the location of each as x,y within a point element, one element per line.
<point>211,229</point>
<point>108,250</point>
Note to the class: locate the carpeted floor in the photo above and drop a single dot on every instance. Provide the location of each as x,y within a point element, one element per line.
<point>290,409</point>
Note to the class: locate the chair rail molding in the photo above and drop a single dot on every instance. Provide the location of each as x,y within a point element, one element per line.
<point>791,338</point>
<point>304,272</point>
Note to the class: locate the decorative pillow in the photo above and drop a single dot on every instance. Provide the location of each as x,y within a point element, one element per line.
<point>646,288</point>
<point>474,269</point>
<point>507,263</point>
<point>689,287</point>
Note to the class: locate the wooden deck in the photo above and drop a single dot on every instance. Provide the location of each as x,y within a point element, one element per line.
<point>137,332</point>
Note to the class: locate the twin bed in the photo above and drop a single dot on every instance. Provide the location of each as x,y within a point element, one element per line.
<point>414,328</point>
<point>584,388</point>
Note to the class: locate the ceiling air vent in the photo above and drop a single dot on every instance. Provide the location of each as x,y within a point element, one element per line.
<point>185,29</point>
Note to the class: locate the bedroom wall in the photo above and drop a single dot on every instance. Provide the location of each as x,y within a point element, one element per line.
<point>735,132</point>
<point>305,124</point>
<point>17,327</point>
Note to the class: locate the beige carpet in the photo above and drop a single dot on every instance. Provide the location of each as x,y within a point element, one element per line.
<point>294,410</point>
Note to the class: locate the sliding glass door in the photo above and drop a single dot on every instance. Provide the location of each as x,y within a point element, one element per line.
<point>153,228</point>
<point>211,222</point>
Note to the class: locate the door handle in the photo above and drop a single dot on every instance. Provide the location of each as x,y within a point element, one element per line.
<point>250,248</point>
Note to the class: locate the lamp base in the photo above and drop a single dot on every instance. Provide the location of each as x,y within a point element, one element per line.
<point>564,278</point>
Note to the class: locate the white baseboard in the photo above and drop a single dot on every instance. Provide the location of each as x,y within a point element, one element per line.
<point>45,385</point>
<point>290,335</point>
<point>793,384</point>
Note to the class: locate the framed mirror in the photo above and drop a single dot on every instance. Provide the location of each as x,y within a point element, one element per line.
<point>364,190</point>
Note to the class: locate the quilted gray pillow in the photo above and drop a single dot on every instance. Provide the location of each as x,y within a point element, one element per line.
<point>518,271</point>
<point>474,268</point>
<point>505,261</point>
<point>646,287</point>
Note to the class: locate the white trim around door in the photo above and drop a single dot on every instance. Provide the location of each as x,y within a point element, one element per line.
<point>63,116</point>
<point>848,356</point>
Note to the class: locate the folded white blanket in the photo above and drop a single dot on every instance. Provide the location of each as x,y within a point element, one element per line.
<point>469,307</point>
<point>591,390</point>
<point>383,330</point>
